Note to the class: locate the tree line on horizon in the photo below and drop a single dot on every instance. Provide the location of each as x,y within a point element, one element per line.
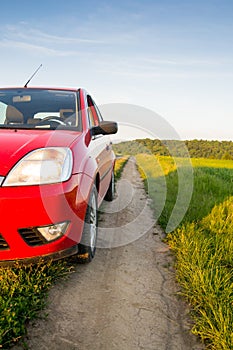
<point>177,148</point>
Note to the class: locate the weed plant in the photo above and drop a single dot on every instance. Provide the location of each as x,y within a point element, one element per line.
<point>23,292</point>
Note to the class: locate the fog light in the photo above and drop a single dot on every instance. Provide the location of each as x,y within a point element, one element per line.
<point>55,231</point>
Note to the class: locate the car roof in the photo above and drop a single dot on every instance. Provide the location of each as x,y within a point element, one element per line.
<point>41,88</point>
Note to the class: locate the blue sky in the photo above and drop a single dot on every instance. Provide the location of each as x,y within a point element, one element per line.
<point>172,57</point>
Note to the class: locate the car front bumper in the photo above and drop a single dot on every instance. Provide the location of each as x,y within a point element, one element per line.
<point>27,207</point>
<point>44,258</point>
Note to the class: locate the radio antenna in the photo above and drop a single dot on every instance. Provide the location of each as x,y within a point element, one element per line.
<point>26,85</point>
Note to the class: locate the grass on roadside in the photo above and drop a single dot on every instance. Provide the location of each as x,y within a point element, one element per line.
<point>23,292</point>
<point>204,262</point>
<point>202,243</point>
<point>119,166</point>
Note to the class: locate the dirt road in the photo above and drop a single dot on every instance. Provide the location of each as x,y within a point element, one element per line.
<point>125,299</point>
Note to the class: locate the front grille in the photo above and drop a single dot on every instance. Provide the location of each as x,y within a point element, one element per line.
<point>3,243</point>
<point>32,236</point>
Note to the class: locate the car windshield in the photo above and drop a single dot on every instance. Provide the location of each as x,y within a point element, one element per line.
<point>38,108</point>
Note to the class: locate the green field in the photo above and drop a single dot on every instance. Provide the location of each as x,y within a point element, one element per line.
<point>203,241</point>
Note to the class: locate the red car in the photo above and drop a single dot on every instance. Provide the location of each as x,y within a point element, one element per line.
<point>56,167</point>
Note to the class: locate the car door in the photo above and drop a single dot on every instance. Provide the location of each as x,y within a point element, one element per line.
<point>102,149</point>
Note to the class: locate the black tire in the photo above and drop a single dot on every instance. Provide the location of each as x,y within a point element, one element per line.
<point>111,190</point>
<point>87,246</point>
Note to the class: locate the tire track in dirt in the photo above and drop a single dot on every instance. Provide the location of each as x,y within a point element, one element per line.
<point>125,299</point>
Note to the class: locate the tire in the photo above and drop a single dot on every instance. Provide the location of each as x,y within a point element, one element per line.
<point>87,246</point>
<point>111,190</point>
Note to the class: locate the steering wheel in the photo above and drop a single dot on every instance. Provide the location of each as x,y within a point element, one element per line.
<point>53,119</point>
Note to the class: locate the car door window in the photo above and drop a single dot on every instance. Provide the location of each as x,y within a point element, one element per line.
<point>99,116</point>
<point>94,114</point>
<point>90,112</point>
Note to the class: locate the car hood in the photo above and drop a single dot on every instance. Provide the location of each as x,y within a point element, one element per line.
<point>16,143</point>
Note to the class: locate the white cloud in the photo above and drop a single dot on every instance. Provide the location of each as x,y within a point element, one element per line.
<point>36,41</point>
<point>185,62</point>
<point>35,48</point>
<point>22,32</point>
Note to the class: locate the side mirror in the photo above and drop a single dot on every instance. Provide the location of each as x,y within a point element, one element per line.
<point>105,128</point>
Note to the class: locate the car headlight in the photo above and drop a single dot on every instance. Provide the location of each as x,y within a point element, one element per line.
<point>42,166</point>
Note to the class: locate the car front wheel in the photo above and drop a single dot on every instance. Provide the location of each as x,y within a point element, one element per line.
<point>87,246</point>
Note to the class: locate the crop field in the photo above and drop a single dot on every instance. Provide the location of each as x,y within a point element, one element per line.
<point>203,240</point>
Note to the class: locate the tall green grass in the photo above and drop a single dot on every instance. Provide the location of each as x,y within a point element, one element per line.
<point>23,292</point>
<point>202,243</point>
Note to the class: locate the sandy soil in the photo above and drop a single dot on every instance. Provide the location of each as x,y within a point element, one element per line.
<point>126,298</point>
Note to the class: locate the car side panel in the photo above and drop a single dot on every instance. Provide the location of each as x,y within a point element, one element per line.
<point>98,159</point>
